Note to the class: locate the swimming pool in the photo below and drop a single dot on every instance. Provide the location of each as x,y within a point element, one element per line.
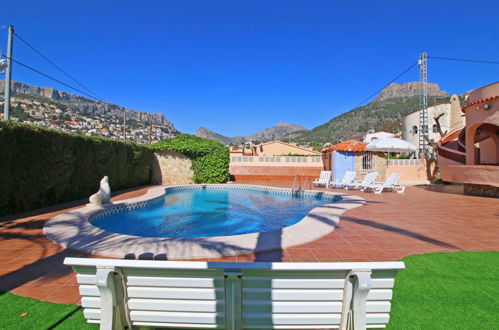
<point>212,212</point>
<point>301,219</point>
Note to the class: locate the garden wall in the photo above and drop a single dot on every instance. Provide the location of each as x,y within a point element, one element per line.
<point>41,167</point>
<point>209,158</point>
<point>170,167</point>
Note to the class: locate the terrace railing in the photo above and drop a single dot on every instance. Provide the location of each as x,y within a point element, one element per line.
<point>309,161</point>
<point>404,162</point>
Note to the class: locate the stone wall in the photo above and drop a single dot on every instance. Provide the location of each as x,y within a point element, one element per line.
<point>170,167</point>
<point>379,166</point>
<point>481,190</point>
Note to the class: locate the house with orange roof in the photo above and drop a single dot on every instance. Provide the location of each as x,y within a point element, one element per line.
<point>470,154</point>
<point>352,155</point>
<point>273,148</point>
<point>274,161</point>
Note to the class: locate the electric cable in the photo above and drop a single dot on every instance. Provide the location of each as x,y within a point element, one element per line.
<point>52,78</point>
<point>56,66</point>
<point>391,81</point>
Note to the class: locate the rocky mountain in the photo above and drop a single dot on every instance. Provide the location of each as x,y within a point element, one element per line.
<point>85,105</point>
<point>207,134</point>
<point>269,134</point>
<point>275,132</point>
<point>407,90</point>
<point>383,114</point>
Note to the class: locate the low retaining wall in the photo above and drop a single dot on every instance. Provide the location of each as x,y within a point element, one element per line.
<point>481,190</point>
<point>414,171</point>
<point>471,174</point>
<point>248,174</point>
<point>171,168</point>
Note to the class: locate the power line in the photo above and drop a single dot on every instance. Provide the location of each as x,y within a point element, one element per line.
<point>379,90</point>
<point>52,78</point>
<point>56,66</point>
<point>463,60</point>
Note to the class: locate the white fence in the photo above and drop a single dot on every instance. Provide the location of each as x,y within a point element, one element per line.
<point>315,161</point>
<point>404,162</point>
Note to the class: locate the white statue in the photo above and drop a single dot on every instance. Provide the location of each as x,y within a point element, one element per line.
<point>102,196</point>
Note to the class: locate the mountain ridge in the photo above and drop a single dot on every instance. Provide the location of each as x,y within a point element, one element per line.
<point>384,113</point>
<point>86,105</point>
<point>275,132</point>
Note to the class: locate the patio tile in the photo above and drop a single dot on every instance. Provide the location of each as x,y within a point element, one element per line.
<point>350,253</point>
<point>65,295</point>
<point>331,259</point>
<point>303,259</point>
<point>300,253</point>
<point>59,278</point>
<point>326,253</point>
<point>39,292</point>
<point>17,264</point>
<point>388,227</point>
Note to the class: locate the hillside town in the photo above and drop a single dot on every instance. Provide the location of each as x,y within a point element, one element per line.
<point>56,115</point>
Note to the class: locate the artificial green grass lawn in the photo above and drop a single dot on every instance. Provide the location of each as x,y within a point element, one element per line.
<point>24,313</point>
<point>456,290</point>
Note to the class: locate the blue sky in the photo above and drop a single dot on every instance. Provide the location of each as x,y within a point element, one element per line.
<point>240,66</point>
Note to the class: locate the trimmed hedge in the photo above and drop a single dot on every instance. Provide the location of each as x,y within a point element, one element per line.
<point>41,167</point>
<point>210,158</point>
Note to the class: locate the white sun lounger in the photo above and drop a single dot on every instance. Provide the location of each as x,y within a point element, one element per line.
<point>348,178</point>
<point>235,295</point>
<point>390,184</point>
<point>323,180</point>
<point>368,180</point>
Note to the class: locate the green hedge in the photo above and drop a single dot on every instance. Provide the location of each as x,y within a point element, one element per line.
<point>210,158</point>
<point>41,167</point>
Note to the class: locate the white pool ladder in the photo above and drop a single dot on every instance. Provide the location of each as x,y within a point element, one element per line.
<point>298,180</point>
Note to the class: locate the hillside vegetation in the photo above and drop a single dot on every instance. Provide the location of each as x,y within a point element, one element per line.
<point>385,116</point>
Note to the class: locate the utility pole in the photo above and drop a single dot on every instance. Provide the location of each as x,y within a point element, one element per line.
<point>150,129</point>
<point>124,123</point>
<point>423,100</point>
<point>8,75</point>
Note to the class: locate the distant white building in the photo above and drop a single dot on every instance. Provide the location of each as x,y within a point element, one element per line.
<point>377,135</point>
<point>450,119</point>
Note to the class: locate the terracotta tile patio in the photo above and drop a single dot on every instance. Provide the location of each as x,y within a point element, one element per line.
<point>389,227</point>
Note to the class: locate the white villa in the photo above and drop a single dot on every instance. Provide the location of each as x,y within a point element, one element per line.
<point>451,118</point>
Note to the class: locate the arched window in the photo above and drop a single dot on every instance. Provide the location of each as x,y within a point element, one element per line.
<point>414,129</point>
<point>435,128</point>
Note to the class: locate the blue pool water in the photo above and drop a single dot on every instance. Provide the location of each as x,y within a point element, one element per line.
<point>207,213</point>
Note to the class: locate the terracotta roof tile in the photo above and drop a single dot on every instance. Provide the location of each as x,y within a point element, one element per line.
<point>479,101</point>
<point>350,145</point>
<point>452,136</point>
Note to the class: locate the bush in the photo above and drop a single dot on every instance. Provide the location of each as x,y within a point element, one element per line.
<point>41,167</point>
<point>210,158</point>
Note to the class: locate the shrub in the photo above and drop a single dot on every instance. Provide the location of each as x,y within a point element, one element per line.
<point>41,167</point>
<point>210,158</point>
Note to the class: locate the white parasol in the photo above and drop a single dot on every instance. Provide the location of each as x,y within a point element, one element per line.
<point>391,145</point>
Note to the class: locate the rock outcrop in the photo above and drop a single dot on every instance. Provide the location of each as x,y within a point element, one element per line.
<point>269,134</point>
<point>275,132</point>
<point>207,134</point>
<point>407,90</point>
<point>85,105</point>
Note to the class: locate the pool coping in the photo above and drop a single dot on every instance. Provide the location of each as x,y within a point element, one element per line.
<point>73,229</point>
